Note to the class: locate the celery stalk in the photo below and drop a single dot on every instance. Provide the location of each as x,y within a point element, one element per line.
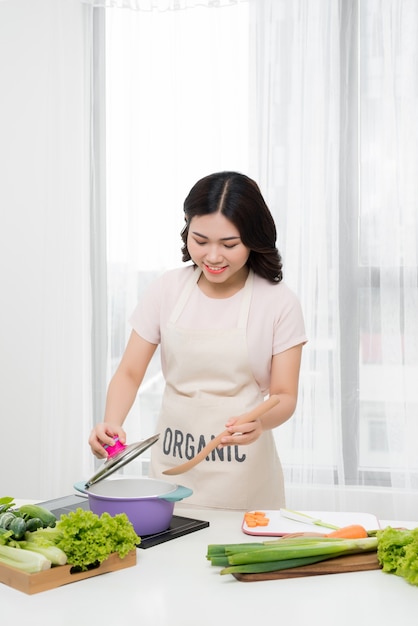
<point>24,560</point>
<point>52,553</point>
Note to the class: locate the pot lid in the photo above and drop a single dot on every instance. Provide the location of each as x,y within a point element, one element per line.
<point>124,455</point>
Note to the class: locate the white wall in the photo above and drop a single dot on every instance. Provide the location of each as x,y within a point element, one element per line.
<point>44,224</point>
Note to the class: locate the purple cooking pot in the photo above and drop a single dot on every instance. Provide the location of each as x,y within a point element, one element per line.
<point>148,503</point>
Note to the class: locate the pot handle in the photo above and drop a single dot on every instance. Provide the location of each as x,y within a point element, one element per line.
<point>178,494</point>
<point>81,486</point>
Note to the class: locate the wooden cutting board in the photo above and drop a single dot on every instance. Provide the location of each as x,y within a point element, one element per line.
<point>339,565</point>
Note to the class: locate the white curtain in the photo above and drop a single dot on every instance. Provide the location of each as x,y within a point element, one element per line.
<point>296,115</point>
<point>337,129</point>
<point>45,330</point>
<point>159,5</point>
<point>317,101</point>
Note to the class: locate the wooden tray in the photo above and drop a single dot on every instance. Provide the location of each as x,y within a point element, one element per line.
<point>60,575</point>
<point>339,565</point>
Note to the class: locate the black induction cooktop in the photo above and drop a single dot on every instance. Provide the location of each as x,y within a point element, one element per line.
<point>179,525</point>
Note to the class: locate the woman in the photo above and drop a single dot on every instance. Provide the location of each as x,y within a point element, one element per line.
<point>231,332</point>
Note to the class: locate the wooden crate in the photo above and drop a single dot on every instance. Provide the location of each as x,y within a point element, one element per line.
<point>60,575</point>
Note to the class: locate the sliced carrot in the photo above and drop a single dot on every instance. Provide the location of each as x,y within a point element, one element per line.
<point>354,531</point>
<point>256,518</point>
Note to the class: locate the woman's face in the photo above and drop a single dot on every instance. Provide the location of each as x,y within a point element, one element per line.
<point>215,245</point>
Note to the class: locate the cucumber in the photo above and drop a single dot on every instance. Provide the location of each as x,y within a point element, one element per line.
<point>29,511</point>
<point>33,524</point>
<point>18,528</point>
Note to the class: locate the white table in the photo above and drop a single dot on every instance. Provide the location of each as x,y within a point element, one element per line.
<point>174,585</point>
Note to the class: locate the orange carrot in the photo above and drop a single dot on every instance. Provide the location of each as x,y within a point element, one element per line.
<point>355,531</point>
<point>256,518</point>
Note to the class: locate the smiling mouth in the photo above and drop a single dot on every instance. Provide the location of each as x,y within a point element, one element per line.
<point>214,269</point>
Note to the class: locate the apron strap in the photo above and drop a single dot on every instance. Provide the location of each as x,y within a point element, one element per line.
<point>184,296</point>
<point>246,300</point>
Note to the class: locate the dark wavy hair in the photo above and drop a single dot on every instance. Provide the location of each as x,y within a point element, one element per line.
<point>239,199</point>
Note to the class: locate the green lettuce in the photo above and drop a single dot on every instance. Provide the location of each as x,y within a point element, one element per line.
<point>397,552</point>
<point>88,539</point>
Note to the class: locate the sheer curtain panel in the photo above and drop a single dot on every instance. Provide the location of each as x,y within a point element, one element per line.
<point>336,128</point>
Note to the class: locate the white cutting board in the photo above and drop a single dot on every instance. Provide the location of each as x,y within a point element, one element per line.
<point>279,525</point>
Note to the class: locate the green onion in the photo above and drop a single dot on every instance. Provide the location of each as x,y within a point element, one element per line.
<point>311,548</point>
<point>284,553</point>
<point>220,549</point>
<point>272,566</point>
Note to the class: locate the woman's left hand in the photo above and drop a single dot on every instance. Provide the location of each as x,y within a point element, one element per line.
<point>284,383</point>
<point>243,434</point>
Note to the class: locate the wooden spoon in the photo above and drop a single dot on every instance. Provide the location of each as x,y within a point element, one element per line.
<point>251,416</point>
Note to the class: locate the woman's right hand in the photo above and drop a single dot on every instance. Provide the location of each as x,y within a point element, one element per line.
<point>104,434</point>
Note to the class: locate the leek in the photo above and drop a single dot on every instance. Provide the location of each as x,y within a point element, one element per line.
<point>272,566</point>
<point>285,553</point>
<point>312,548</point>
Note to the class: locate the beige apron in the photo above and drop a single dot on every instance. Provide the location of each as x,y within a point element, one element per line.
<point>209,380</point>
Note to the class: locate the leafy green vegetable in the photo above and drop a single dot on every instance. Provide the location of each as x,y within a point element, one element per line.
<point>6,503</point>
<point>88,539</point>
<point>46,548</point>
<point>397,552</point>
<point>5,536</point>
